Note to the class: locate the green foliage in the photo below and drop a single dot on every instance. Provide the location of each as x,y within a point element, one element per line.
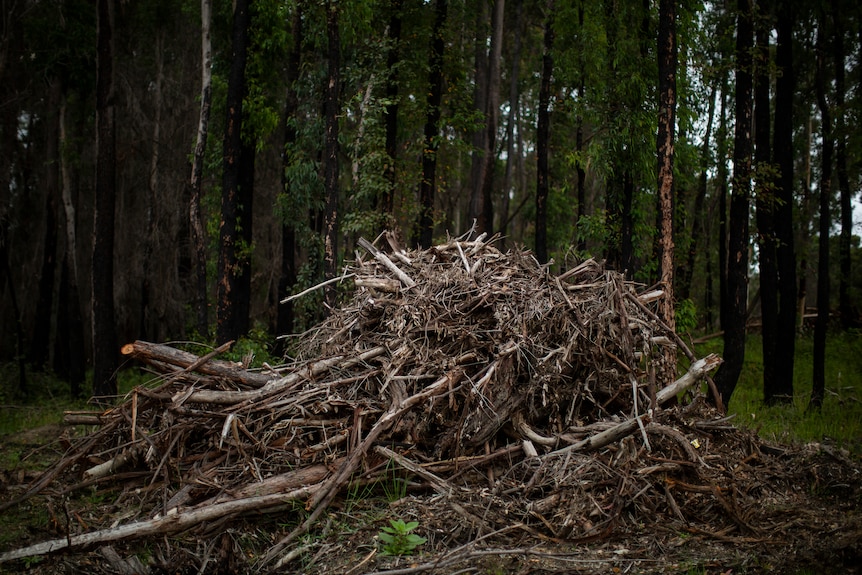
<point>398,538</point>
<point>685,315</point>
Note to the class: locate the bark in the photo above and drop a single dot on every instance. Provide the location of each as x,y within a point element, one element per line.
<point>333,87</point>
<point>288,276</point>
<point>480,95</point>
<point>822,321</point>
<point>784,233</point>
<point>391,114</point>
<point>104,331</point>
<point>492,114</point>
<point>543,138</point>
<point>579,141</point>
<point>70,356</point>
<point>736,297</point>
<point>228,259</point>
<point>765,202</point>
<point>428,186</point>
<point>514,75</point>
<point>667,61</point>
<point>845,308</point>
<point>198,235</point>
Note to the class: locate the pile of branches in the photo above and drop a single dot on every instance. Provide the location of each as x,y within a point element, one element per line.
<point>522,399</point>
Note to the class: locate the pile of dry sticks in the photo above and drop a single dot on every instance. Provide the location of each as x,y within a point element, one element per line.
<point>524,401</point>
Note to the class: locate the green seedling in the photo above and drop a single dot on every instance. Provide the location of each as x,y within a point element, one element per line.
<point>398,538</point>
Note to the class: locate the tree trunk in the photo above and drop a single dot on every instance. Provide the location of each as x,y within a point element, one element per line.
<point>288,276</point>
<point>784,233</point>
<point>480,95</point>
<point>819,360</point>
<point>492,114</point>
<point>40,340</point>
<point>845,308</point>
<point>543,138</point>
<point>71,338</point>
<point>579,142</point>
<point>391,115</point>
<point>333,88</point>
<point>508,189</point>
<point>428,186</point>
<point>736,297</point>
<point>105,356</point>
<point>228,323</point>
<point>196,223</point>
<point>765,202</point>
<point>667,61</point>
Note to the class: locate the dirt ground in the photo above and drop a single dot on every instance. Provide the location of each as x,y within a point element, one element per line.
<point>808,521</point>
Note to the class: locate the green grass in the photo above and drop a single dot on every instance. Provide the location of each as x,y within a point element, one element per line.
<point>840,420</point>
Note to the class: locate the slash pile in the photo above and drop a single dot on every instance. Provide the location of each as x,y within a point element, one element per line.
<point>521,402</point>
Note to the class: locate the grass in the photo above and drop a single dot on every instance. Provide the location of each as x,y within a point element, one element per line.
<point>840,419</point>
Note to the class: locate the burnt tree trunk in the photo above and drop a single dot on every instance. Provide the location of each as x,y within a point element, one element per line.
<point>543,138</point>
<point>330,160</point>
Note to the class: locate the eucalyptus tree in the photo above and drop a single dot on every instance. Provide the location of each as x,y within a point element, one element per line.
<point>735,297</point>
<point>105,358</point>
<point>542,138</point>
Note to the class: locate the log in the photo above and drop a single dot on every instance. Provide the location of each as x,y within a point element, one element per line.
<point>162,525</point>
<point>154,352</point>
<point>696,371</point>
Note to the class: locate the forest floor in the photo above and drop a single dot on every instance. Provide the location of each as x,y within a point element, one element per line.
<point>809,521</point>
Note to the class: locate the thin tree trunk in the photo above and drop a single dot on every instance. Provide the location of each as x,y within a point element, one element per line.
<point>72,337</point>
<point>785,89</point>
<point>492,113</point>
<point>198,235</point>
<point>480,95</point>
<point>288,276</point>
<point>667,61</point>
<point>579,141</point>
<point>819,359</point>
<point>543,137</point>
<point>845,307</point>
<point>391,115</point>
<point>333,88</point>
<point>105,356</point>
<point>228,324</point>
<point>736,297</point>
<point>764,202</point>
<point>428,186</point>
<point>514,103</point>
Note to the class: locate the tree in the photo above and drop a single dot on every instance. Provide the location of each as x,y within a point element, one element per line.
<point>785,87</point>
<point>485,216</point>
<point>543,138</point>
<point>667,56</point>
<point>428,185</point>
<point>735,299</point>
<point>819,360</point>
<point>104,334</point>
<point>330,162</point>
<point>196,224</point>
<point>391,110</point>
<point>233,212</point>
<point>765,201</point>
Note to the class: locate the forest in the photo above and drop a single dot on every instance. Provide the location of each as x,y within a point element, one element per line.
<point>173,170</point>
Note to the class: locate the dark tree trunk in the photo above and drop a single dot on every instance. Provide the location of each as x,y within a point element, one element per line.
<point>288,276</point>
<point>245,221</point>
<point>428,186</point>
<point>391,115</point>
<point>667,61</point>
<point>196,223</point>
<point>508,188</point>
<point>105,349</point>
<point>480,105</point>
<point>822,322</point>
<point>845,308</point>
<point>785,89</point>
<point>543,138</point>
<point>764,202</point>
<point>40,340</point>
<point>735,299</point>
<point>721,184</point>
<point>330,160</point>
<point>492,113</point>
<point>229,272</point>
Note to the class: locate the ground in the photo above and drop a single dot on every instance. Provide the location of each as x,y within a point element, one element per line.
<point>808,521</point>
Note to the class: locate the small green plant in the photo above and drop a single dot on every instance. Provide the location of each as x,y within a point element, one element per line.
<point>398,538</point>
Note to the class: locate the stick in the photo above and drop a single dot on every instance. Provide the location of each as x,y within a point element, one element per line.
<point>382,258</point>
<point>162,525</point>
<point>697,370</point>
<point>317,287</point>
